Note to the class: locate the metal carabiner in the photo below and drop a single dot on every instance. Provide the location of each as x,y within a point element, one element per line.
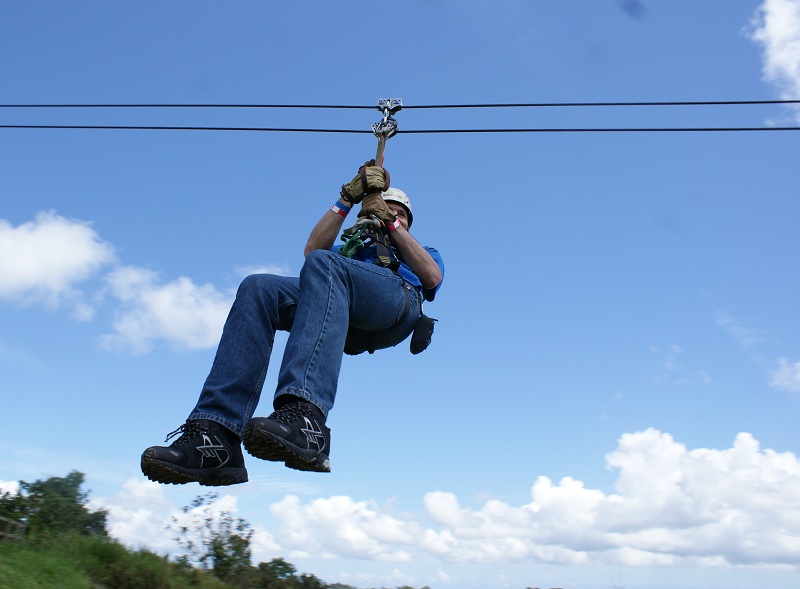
<point>386,128</point>
<point>359,236</point>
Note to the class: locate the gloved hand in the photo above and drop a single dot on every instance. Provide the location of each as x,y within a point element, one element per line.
<point>370,178</point>
<point>373,204</point>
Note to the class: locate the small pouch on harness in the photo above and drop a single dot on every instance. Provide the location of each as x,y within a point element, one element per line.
<point>423,332</point>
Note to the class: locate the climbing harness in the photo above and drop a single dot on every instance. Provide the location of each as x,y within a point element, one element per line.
<point>365,233</point>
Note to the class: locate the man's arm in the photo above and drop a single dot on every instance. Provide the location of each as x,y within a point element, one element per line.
<point>420,261</point>
<point>370,179</point>
<point>327,229</point>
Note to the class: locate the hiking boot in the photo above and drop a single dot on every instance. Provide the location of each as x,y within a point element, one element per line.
<point>295,434</point>
<point>206,453</point>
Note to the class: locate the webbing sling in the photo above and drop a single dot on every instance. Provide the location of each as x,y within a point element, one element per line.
<point>364,233</point>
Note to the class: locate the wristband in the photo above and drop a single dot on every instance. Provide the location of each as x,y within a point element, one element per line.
<point>393,226</point>
<point>340,209</point>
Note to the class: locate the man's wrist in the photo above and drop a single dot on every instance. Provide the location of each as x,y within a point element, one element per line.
<point>340,208</point>
<point>393,225</point>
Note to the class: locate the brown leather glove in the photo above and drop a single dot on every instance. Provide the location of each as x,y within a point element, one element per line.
<point>373,204</point>
<point>370,178</point>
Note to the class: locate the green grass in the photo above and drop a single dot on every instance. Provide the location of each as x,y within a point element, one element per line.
<point>76,562</point>
<point>22,567</point>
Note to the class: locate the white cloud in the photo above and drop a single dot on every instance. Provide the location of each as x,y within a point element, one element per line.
<point>342,527</point>
<point>141,516</point>
<point>671,369</point>
<point>776,27</point>
<point>787,375</point>
<point>138,515</point>
<point>748,338</point>
<point>268,269</point>
<point>9,487</point>
<point>43,260</point>
<point>187,315</point>
<point>671,506</point>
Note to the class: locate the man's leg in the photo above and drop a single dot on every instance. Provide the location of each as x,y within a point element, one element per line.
<point>335,292</point>
<point>264,304</point>
<point>209,448</point>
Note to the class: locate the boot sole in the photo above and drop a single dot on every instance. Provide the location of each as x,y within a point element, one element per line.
<point>171,474</point>
<point>267,446</point>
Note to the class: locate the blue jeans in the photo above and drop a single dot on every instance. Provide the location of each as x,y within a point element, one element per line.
<point>332,295</point>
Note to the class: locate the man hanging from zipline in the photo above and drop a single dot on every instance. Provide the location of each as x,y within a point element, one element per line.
<point>362,296</point>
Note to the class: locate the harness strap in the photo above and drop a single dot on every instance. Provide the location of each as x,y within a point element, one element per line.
<point>365,233</point>
<point>385,257</point>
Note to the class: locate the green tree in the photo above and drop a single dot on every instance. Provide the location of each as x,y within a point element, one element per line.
<point>278,568</point>
<point>12,505</point>
<point>54,506</point>
<point>309,581</point>
<point>215,540</point>
<point>280,574</point>
<point>276,574</point>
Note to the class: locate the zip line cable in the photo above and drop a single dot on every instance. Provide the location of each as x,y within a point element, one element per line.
<point>159,128</point>
<point>418,107</point>
<point>298,106</point>
<point>413,131</point>
<point>407,132</point>
<point>604,104</point>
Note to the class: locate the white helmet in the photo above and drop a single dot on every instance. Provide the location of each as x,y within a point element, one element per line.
<point>393,194</point>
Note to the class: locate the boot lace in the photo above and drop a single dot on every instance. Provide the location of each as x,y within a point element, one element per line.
<point>189,428</point>
<point>291,412</point>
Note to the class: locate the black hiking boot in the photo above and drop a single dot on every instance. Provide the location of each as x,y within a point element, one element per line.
<point>295,434</point>
<point>206,453</point>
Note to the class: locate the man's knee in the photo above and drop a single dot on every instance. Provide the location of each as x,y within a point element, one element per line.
<point>252,284</point>
<point>320,256</point>
<point>317,260</point>
<point>261,285</point>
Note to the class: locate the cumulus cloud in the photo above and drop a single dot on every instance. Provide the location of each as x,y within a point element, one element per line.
<point>268,269</point>
<point>776,27</point>
<point>187,315</point>
<point>140,514</point>
<point>671,506</point>
<point>43,260</point>
<point>342,527</point>
<point>9,487</point>
<point>787,376</point>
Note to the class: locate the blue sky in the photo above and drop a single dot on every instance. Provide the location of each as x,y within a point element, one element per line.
<point>612,392</point>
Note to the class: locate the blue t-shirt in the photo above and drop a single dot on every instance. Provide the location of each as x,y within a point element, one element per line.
<point>370,254</point>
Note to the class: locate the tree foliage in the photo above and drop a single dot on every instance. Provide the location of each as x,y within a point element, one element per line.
<point>12,505</point>
<point>213,539</point>
<point>54,506</point>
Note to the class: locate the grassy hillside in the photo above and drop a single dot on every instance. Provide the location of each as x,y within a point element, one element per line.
<point>76,562</point>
